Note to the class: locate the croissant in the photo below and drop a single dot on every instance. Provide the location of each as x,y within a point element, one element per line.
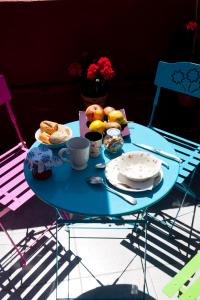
<point>48,126</point>
<point>44,137</point>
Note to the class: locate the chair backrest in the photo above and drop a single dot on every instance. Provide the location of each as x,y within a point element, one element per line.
<point>182,77</point>
<point>5,97</point>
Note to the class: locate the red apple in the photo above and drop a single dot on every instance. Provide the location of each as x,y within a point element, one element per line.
<point>94,112</point>
<point>108,109</point>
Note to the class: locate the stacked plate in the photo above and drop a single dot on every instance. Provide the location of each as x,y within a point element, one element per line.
<point>134,171</point>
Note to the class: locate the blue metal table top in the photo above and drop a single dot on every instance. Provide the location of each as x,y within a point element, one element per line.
<point>67,189</point>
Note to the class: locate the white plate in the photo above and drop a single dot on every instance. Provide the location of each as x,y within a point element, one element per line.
<point>53,146</point>
<point>139,165</point>
<point>121,182</point>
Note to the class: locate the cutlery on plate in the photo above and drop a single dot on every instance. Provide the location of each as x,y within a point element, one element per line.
<point>100,180</point>
<point>159,151</point>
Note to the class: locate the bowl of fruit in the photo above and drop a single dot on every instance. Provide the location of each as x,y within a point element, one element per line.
<point>99,119</point>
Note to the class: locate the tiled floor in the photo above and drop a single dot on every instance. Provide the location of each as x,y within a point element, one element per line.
<point>95,267</point>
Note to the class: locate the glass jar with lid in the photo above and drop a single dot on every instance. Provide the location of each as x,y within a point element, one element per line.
<point>113,140</point>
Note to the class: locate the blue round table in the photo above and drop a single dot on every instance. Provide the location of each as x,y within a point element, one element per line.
<point>67,189</point>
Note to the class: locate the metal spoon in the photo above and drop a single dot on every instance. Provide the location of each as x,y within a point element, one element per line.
<point>100,166</point>
<point>100,180</point>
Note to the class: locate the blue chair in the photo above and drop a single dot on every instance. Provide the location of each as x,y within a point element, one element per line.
<point>184,78</point>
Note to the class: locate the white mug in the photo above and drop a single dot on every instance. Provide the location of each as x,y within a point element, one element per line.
<point>76,153</point>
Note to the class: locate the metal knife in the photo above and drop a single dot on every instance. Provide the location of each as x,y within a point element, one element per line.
<point>159,151</point>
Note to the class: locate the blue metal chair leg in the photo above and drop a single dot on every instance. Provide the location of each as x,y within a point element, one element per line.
<point>145,254</point>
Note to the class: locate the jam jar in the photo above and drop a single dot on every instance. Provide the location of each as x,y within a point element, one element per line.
<point>113,140</point>
<point>39,161</point>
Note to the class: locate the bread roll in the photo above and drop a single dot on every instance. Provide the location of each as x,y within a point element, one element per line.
<point>62,128</point>
<point>44,137</point>
<point>58,137</point>
<point>48,127</point>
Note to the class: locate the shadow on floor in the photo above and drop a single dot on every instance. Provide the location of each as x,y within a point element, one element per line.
<point>38,279</point>
<point>167,249</point>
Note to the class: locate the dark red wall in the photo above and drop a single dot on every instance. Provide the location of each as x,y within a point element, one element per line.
<point>39,39</point>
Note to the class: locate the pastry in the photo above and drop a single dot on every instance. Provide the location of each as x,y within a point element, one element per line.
<point>59,136</point>
<point>44,137</point>
<point>62,127</point>
<point>48,126</point>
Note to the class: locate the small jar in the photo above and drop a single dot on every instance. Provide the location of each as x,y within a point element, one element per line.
<point>41,175</point>
<point>113,140</point>
<point>39,161</point>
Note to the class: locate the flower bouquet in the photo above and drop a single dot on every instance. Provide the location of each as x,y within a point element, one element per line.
<point>95,80</point>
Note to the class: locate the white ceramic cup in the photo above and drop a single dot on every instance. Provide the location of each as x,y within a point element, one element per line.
<point>76,153</point>
<point>95,139</point>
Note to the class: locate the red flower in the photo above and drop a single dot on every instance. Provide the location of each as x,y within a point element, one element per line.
<point>99,72</point>
<point>92,71</point>
<point>191,26</point>
<point>107,72</point>
<point>103,61</point>
<point>75,70</point>
<point>105,68</point>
